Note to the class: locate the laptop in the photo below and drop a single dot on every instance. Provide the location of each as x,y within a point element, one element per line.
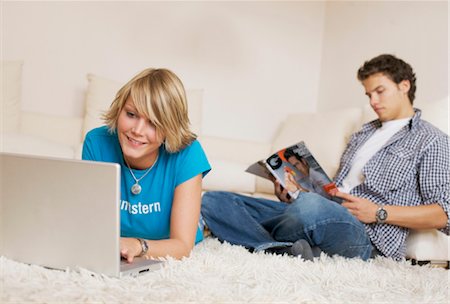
<point>63,214</point>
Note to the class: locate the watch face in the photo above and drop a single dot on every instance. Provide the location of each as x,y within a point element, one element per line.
<point>144,246</point>
<point>381,214</point>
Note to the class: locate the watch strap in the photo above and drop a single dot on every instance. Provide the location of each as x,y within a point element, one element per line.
<point>144,246</point>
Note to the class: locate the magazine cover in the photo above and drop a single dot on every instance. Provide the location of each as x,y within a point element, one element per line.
<point>297,171</point>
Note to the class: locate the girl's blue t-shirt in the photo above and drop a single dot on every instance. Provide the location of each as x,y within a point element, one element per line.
<point>147,215</point>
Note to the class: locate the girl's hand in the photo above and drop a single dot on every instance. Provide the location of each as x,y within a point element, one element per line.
<point>130,248</point>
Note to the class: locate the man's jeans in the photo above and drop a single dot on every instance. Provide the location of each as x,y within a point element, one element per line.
<point>260,224</point>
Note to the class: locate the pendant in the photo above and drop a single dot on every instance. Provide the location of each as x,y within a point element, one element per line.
<point>136,189</point>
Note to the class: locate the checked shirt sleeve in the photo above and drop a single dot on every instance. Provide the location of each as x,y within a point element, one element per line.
<point>434,177</point>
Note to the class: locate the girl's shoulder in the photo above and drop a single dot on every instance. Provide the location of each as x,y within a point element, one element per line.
<point>186,163</point>
<point>192,153</point>
<point>191,150</point>
<point>100,131</point>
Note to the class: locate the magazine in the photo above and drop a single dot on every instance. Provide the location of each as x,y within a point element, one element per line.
<point>297,171</point>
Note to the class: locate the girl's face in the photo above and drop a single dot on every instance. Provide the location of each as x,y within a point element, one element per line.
<point>137,137</point>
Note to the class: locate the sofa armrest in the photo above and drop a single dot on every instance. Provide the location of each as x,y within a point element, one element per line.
<point>59,129</point>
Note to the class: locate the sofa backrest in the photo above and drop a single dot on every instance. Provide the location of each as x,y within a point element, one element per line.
<point>324,133</point>
<point>52,135</point>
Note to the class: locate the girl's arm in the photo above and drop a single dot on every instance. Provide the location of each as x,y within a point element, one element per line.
<point>183,225</point>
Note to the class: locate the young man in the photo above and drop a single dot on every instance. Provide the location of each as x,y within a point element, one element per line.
<point>394,175</point>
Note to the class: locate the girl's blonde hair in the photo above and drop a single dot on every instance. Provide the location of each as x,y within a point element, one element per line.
<point>158,95</point>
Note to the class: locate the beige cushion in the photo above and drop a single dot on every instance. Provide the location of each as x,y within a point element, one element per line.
<point>10,96</point>
<point>228,176</point>
<point>428,245</point>
<point>435,112</point>
<point>234,150</point>
<point>325,134</point>
<point>102,91</point>
<point>99,96</point>
<point>34,145</point>
<point>60,129</point>
<point>238,155</point>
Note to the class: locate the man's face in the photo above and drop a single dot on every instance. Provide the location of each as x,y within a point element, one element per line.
<point>300,165</point>
<point>389,100</point>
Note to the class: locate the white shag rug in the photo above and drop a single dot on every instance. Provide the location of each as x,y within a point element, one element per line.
<point>222,273</point>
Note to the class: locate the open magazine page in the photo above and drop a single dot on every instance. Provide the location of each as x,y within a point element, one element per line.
<point>259,168</point>
<point>297,170</point>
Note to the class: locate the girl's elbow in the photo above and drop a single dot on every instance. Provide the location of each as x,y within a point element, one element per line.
<point>184,250</point>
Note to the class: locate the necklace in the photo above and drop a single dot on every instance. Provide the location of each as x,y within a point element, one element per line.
<point>136,188</point>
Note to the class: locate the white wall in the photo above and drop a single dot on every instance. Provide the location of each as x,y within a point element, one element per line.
<point>416,31</point>
<point>256,61</point>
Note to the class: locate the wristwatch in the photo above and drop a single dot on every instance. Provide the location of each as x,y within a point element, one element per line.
<point>381,215</point>
<point>144,246</point>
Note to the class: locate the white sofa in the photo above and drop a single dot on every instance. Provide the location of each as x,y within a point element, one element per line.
<point>325,134</point>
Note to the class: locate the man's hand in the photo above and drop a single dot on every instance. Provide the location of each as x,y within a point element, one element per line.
<point>282,193</point>
<point>363,209</point>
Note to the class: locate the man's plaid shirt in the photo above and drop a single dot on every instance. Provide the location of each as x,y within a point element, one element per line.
<point>411,169</point>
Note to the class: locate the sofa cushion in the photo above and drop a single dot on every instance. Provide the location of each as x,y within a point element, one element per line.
<point>99,95</point>
<point>33,145</point>
<point>325,134</point>
<point>102,91</point>
<point>240,154</point>
<point>435,112</point>
<point>428,245</point>
<point>68,130</point>
<point>234,150</point>
<point>10,96</point>
<point>228,176</point>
